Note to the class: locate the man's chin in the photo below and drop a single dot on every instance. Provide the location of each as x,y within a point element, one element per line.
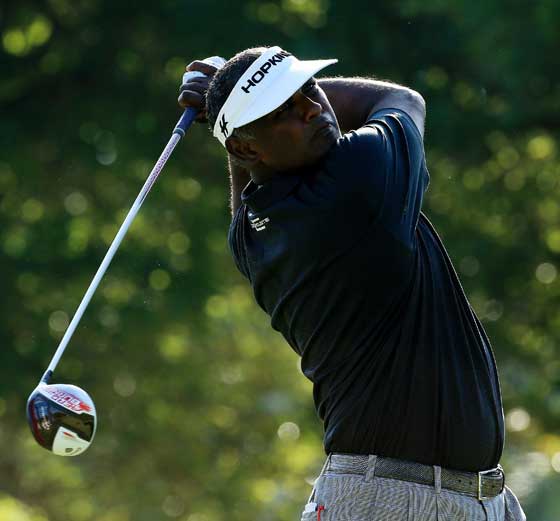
<point>324,140</point>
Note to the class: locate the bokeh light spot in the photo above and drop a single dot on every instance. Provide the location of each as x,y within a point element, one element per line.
<point>129,62</point>
<point>15,241</point>
<point>13,510</point>
<point>173,346</point>
<point>288,431</point>
<point>518,420</point>
<point>173,506</point>
<point>79,233</point>
<point>553,240</point>
<point>217,306</point>
<point>14,42</point>
<point>178,242</point>
<point>546,272</point>
<point>514,180</point>
<point>268,13</point>
<point>27,283</point>
<point>469,266</point>
<point>436,77</point>
<point>80,509</point>
<point>473,179</point>
<point>75,203</point>
<point>549,210</point>
<point>231,375</point>
<point>109,317</point>
<point>493,310</point>
<point>32,210</point>
<point>58,321</point>
<point>541,147</point>
<point>124,385</point>
<point>159,280</point>
<point>188,189</point>
<point>39,31</point>
<point>263,490</point>
<point>118,291</point>
<point>507,157</point>
<point>108,232</point>
<point>223,417</point>
<point>106,157</point>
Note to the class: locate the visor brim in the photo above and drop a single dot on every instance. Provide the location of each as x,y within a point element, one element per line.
<point>284,86</point>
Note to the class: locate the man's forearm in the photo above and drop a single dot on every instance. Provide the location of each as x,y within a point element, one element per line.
<point>354,99</point>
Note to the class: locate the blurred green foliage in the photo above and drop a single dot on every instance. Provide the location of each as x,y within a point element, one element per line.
<point>203,414</point>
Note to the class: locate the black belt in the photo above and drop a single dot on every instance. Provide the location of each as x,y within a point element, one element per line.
<point>481,485</point>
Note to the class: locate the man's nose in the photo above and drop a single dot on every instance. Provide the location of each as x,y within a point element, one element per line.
<point>309,109</point>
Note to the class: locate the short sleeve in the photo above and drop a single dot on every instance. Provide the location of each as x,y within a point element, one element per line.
<point>383,166</point>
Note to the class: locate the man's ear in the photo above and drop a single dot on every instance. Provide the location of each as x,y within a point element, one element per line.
<point>243,152</point>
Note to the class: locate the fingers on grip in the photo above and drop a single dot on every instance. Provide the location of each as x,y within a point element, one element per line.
<point>199,66</point>
<point>188,98</point>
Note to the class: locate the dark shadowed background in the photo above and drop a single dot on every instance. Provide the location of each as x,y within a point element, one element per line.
<point>203,412</point>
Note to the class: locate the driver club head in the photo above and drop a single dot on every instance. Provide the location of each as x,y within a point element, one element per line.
<point>62,418</point>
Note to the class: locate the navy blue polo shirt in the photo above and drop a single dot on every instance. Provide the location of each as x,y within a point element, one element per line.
<point>356,279</point>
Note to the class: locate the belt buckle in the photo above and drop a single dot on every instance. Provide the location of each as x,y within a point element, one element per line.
<point>483,473</point>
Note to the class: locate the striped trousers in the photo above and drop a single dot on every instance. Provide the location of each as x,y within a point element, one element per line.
<point>339,496</point>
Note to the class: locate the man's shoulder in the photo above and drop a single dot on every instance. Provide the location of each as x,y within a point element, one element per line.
<point>392,116</point>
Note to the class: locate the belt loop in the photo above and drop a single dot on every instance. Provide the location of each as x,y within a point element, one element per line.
<point>326,465</point>
<point>370,471</point>
<point>437,478</point>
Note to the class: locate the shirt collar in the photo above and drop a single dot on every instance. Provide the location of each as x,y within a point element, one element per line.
<point>260,197</point>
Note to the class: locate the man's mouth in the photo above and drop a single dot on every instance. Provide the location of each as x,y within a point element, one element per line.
<point>323,129</point>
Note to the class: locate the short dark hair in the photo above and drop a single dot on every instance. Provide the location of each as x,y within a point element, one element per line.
<point>225,79</point>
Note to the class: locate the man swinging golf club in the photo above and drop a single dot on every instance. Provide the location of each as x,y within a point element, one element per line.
<point>327,182</point>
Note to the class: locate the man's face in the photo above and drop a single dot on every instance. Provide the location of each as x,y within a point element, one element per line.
<point>299,132</point>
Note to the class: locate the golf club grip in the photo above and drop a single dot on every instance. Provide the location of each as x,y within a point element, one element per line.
<point>185,121</point>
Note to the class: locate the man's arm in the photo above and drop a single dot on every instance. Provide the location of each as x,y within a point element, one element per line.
<point>355,99</point>
<point>192,94</point>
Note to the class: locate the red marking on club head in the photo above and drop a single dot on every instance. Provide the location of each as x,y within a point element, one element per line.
<point>84,407</point>
<point>67,400</point>
<point>68,434</point>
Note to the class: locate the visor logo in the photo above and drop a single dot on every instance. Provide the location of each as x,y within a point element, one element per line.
<point>223,126</point>
<point>263,70</point>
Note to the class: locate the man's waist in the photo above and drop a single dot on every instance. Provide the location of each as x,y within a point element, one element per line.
<point>483,484</point>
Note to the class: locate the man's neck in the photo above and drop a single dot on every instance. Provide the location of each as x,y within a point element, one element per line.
<point>261,177</point>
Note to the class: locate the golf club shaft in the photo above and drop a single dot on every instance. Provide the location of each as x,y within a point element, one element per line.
<point>182,125</point>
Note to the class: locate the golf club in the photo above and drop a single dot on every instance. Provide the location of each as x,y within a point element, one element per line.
<point>62,417</point>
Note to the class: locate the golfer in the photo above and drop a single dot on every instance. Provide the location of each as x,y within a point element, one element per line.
<point>327,182</point>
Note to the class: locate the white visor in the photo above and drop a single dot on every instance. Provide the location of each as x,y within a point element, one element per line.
<point>266,84</point>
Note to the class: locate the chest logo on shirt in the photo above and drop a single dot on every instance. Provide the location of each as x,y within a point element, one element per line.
<point>258,223</point>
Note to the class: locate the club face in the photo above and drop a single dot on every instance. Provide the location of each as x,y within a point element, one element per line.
<point>62,418</point>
